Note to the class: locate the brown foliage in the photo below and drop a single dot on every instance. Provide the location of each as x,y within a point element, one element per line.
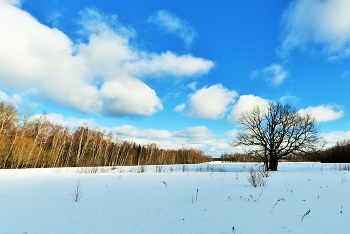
<point>39,143</point>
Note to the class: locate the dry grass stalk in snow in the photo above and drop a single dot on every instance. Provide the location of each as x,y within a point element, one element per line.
<point>78,192</point>
<point>257,178</point>
<point>302,218</point>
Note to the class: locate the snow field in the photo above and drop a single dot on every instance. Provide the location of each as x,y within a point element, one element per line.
<point>124,201</point>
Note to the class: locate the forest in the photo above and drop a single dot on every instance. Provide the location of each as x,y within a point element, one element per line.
<point>340,153</point>
<point>27,142</point>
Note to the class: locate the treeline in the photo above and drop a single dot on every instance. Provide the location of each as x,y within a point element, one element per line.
<point>31,143</point>
<point>241,157</point>
<point>238,157</point>
<point>340,153</point>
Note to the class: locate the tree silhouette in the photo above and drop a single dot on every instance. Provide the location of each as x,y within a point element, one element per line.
<point>276,131</point>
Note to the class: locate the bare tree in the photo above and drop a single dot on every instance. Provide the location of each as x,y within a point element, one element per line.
<point>276,131</point>
<point>8,117</point>
<point>35,142</point>
<point>85,137</point>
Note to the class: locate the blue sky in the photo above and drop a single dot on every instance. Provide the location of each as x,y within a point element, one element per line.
<point>176,73</point>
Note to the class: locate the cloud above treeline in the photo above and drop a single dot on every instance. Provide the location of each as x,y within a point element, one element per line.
<point>101,74</point>
<point>197,137</point>
<point>314,24</point>
<point>217,102</point>
<point>13,99</point>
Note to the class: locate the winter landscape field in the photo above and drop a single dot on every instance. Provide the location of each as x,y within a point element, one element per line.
<point>206,198</point>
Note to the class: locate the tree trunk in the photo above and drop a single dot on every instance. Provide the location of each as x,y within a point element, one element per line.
<point>275,164</point>
<point>271,163</point>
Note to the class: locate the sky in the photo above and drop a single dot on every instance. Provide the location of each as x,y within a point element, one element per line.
<point>176,73</point>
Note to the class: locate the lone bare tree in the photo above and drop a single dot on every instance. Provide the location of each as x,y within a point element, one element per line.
<point>276,131</point>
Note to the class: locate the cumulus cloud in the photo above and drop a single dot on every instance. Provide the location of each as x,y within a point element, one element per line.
<point>211,102</point>
<point>180,107</point>
<point>171,23</point>
<point>275,74</point>
<point>323,113</point>
<point>125,95</point>
<point>99,74</point>
<point>312,24</point>
<point>246,103</point>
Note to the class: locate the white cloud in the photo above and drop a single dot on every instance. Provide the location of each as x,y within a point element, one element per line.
<point>246,103</point>
<point>323,113</point>
<point>337,136</point>
<point>275,74</point>
<point>168,63</point>
<point>289,99</point>
<point>198,137</point>
<point>199,132</point>
<point>192,86</point>
<point>174,25</point>
<point>317,23</point>
<point>127,130</point>
<point>125,96</point>
<point>211,102</point>
<point>231,134</point>
<point>14,99</point>
<point>53,18</point>
<point>144,134</point>
<point>180,107</point>
<point>99,75</point>
<point>71,122</point>
<point>13,2</point>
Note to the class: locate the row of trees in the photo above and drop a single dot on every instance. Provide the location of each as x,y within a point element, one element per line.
<point>29,143</point>
<point>340,153</point>
<point>239,157</point>
<point>246,157</point>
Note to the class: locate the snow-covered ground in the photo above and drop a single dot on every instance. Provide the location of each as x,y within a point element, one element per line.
<point>122,200</point>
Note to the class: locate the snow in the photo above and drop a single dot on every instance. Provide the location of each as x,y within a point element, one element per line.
<point>121,200</point>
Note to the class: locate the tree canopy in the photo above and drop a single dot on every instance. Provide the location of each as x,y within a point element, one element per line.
<point>275,131</point>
